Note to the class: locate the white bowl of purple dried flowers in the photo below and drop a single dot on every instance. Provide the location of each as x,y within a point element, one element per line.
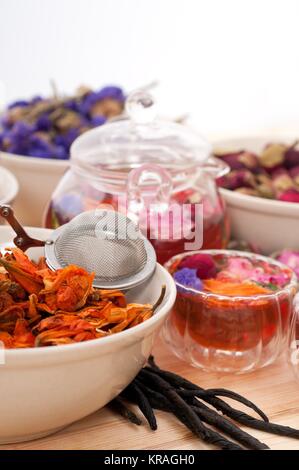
<point>262,189</point>
<point>36,135</point>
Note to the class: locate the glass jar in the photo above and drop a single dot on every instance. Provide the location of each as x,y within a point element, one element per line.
<point>160,173</point>
<point>230,333</point>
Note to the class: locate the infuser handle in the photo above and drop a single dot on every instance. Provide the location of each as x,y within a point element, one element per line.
<point>22,240</point>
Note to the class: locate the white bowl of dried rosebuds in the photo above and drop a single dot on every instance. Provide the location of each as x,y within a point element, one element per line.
<point>262,189</point>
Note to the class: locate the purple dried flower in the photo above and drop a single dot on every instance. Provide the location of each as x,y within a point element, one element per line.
<point>98,121</point>
<point>91,99</point>
<point>187,277</point>
<point>36,99</point>
<point>66,140</point>
<point>73,105</point>
<point>22,130</point>
<point>43,123</point>
<point>18,104</point>
<point>38,147</point>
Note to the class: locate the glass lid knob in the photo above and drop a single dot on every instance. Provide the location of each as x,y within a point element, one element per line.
<point>141,107</point>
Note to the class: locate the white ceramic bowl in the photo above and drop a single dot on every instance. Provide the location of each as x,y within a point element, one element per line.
<point>272,225</point>
<point>9,187</point>
<point>45,389</point>
<point>38,177</point>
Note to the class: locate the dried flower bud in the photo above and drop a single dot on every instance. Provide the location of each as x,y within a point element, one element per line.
<point>232,159</point>
<point>292,156</point>
<point>273,155</point>
<point>266,190</point>
<point>291,195</point>
<point>203,263</point>
<point>290,258</point>
<point>247,191</point>
<point>107,107</point>
<point>69,120</point>
<point>240,178</point>
<point>250,160</point>
<point>83,91</point>
<point>282,180</point>
<point>294,173</point>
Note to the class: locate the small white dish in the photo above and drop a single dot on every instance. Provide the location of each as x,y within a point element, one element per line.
<point>45,389</point>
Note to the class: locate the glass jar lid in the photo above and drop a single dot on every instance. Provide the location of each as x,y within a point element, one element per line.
<point>142,138</point>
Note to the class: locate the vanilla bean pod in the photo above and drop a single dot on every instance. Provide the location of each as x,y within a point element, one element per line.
<point>208,415</point>
<point>229,428</point>
<point>118,406</point>
<point>225,408</point>
<point>186,415</point>
<point>134,393</point>
<point>221,392</point>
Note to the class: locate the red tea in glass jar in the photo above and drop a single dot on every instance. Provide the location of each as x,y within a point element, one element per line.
<point>146,167</point>
<point>232,311</point>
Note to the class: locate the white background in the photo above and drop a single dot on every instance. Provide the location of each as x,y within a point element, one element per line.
<point>233,64</point>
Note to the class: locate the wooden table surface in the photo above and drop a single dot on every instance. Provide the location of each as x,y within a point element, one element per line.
<point>273,389</point>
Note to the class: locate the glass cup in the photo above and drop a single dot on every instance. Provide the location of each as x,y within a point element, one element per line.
<point>229,333</point>
<point>293,338</point>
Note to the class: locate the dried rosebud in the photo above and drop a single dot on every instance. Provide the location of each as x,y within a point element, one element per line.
<point>203,263</point>
<point>247,191</point>
<point>282,180</point>
<point>294,173</point>
<point>266,190</point>
<point>232,159</point>
<point>250,160</point>
<point>291,195</point>
<point>292,156</point>
<point>290,258</point>
<point>273,155</point>
<point>239,179</point>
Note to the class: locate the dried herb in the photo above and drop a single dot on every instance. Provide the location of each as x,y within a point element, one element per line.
<point>158,389</point>
<point>118,405</point>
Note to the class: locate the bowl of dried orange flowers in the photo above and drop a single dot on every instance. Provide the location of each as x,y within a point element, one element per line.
<point>68,348</point>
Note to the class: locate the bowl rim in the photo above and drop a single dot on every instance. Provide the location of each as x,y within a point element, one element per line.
<point>13,185</point>
<point>293,283</point>
<point>259,204</point>
<point>64,351</point>
<point>7,156</point>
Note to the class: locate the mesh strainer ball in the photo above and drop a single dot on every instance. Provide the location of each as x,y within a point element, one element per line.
<point>104,242</point>
<point>101,241</point>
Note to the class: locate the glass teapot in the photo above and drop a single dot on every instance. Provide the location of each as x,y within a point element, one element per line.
<point>159,172</point>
